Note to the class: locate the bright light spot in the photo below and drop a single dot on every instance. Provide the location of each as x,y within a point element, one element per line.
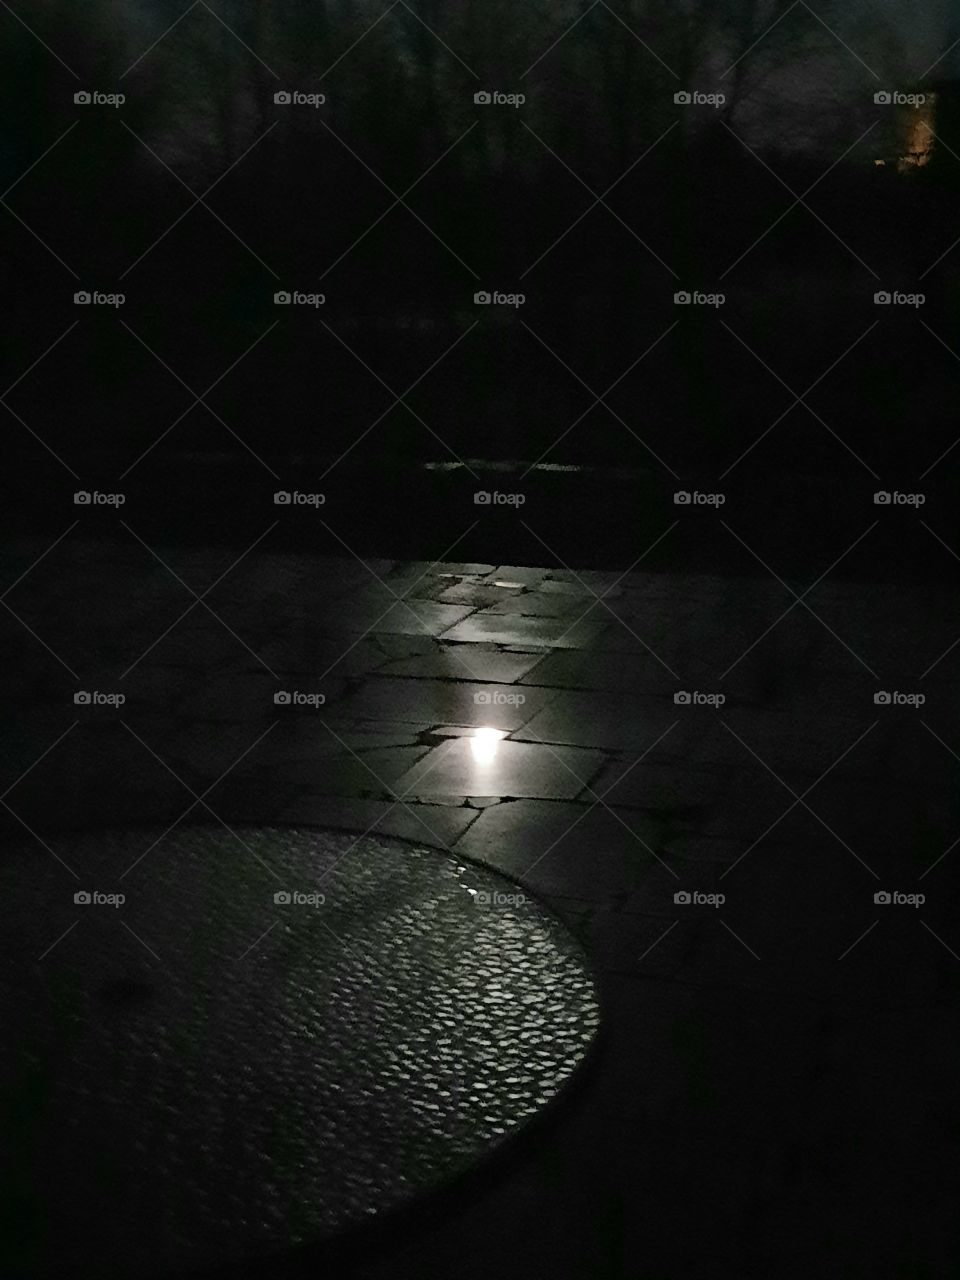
<point>483,744</point>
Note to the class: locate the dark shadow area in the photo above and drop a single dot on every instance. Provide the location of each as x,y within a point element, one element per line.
<point>784,188</point>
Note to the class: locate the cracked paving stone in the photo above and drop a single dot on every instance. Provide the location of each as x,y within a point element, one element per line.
<point>551,632</point>
<point>471,766</point>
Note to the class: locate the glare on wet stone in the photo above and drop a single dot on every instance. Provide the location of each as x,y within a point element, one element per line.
<point>401,718</point>
<point>560,633</point>
<point>530,576</point>
<point>482,765</point>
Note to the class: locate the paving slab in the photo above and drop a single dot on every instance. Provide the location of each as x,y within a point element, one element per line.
<point>614,722</point>
<point>556,633</point>
<point>465,662</point>
<point>478,595</point>
<point>565,849</point>
<point>581,669</point>
<point>529,575</point>
<point>538,604</point>
<point>440,702</point>
<point>404,617</point>
<point>476,766</point>
<point>435,824</point>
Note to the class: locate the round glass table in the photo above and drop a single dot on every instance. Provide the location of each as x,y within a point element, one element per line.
<point>229,1043</point>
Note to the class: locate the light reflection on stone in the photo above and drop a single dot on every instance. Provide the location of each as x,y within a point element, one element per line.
<point>484,743</point>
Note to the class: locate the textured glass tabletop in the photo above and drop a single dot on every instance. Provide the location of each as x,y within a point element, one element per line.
<point>226,1043</point>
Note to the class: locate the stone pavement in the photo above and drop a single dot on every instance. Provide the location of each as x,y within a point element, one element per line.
<point>781,1046</point>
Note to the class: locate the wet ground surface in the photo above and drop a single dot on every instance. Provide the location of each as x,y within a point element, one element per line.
<point>710,779</point>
